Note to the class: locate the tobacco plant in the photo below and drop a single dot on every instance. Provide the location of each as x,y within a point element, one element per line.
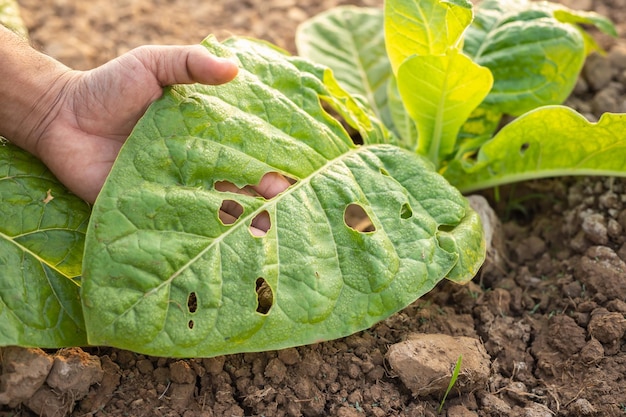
<point>442,78</point>
<point>164,274</point>
<point>153,267</point>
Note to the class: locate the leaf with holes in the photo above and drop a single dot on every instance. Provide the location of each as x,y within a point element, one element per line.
<point>41,246</point>
<point>547,142</point>
<point>362,231</point>
<point>533,50</point>
<point>351,41</point>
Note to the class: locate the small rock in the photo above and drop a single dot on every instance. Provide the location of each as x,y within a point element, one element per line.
<point>125,359</point>
<point>530,248</point>
<point>597,71</point>
<point>498,301</point>
<point>606,326</point>
<point>289,356</point>
<point>581,407</point>
<point>610,200</point>
<point>46,403</point>
<point>594,227</point>
<point>592,352</point>
<point>74,371</point>
<point>98,397</point>
<point>181,395</point>
<point>425,362</point>
<point>537,410</point>
<point>572,289</point>
<point>214,366</point>
<point>145,366</point>
<point>493,405</point>
<point>617,306</point>
<point>602,271</point>
<point>607,100</point>
<point>566,335</point>
<point>517,391</point>
<point>460,411</point>
<point>617,56</point>
<point>23,372</point>
<point>347,411</point>
<point>276,371</point>
<point>614,229</point>
<point>181,373</point>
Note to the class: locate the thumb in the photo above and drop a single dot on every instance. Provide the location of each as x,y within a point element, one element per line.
<point>185,65</point>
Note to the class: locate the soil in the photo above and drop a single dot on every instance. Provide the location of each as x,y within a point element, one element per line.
<point>540,330</point>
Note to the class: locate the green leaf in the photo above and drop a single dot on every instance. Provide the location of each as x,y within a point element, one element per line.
<point>547,142</point>
<point>350,41</point>
<point>533,50</point>
<point>402,123</point>
<point>477,129</point>
<point>41,247</point>
<point>565,15</point>
<point>467,236</point>
<point>163,275</point>
<point>440,92</point>
<point>418,27</point>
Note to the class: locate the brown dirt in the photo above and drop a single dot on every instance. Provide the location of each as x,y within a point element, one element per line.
<point>550,316</point>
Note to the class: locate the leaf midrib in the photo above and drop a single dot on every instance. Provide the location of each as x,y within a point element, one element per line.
<point>243,220</point>
<point>23,248</point>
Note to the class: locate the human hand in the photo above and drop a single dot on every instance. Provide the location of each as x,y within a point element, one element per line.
<point>94,111</point>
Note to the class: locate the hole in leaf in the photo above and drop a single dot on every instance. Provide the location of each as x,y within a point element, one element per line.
<point>270,185</point>
<point>406,212</point>
<point>226,186</point>
<point>356,137</point>
<point>357,219</point>
<point>264,296</point>
<point>190,324</point>
<point>260,224</point>
<point>523,148</point>
<point>230,211</point>
<point>192,302</point>
<point>354,134</point>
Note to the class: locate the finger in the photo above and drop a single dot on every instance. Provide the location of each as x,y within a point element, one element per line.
<point>260,224</point>
<point>271,185</point>
<point>185,65</point>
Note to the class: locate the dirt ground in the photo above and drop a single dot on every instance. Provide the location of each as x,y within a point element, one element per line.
<point>545,320</point>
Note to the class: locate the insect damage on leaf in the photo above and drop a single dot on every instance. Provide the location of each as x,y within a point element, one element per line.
<point>183,212</point>
<point>357,219</point>
<point>265,296</point>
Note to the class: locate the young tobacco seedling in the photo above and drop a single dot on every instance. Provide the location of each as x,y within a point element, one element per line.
<point>441,79</point>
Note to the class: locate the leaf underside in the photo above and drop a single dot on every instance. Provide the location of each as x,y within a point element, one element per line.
<point>163,275</point>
